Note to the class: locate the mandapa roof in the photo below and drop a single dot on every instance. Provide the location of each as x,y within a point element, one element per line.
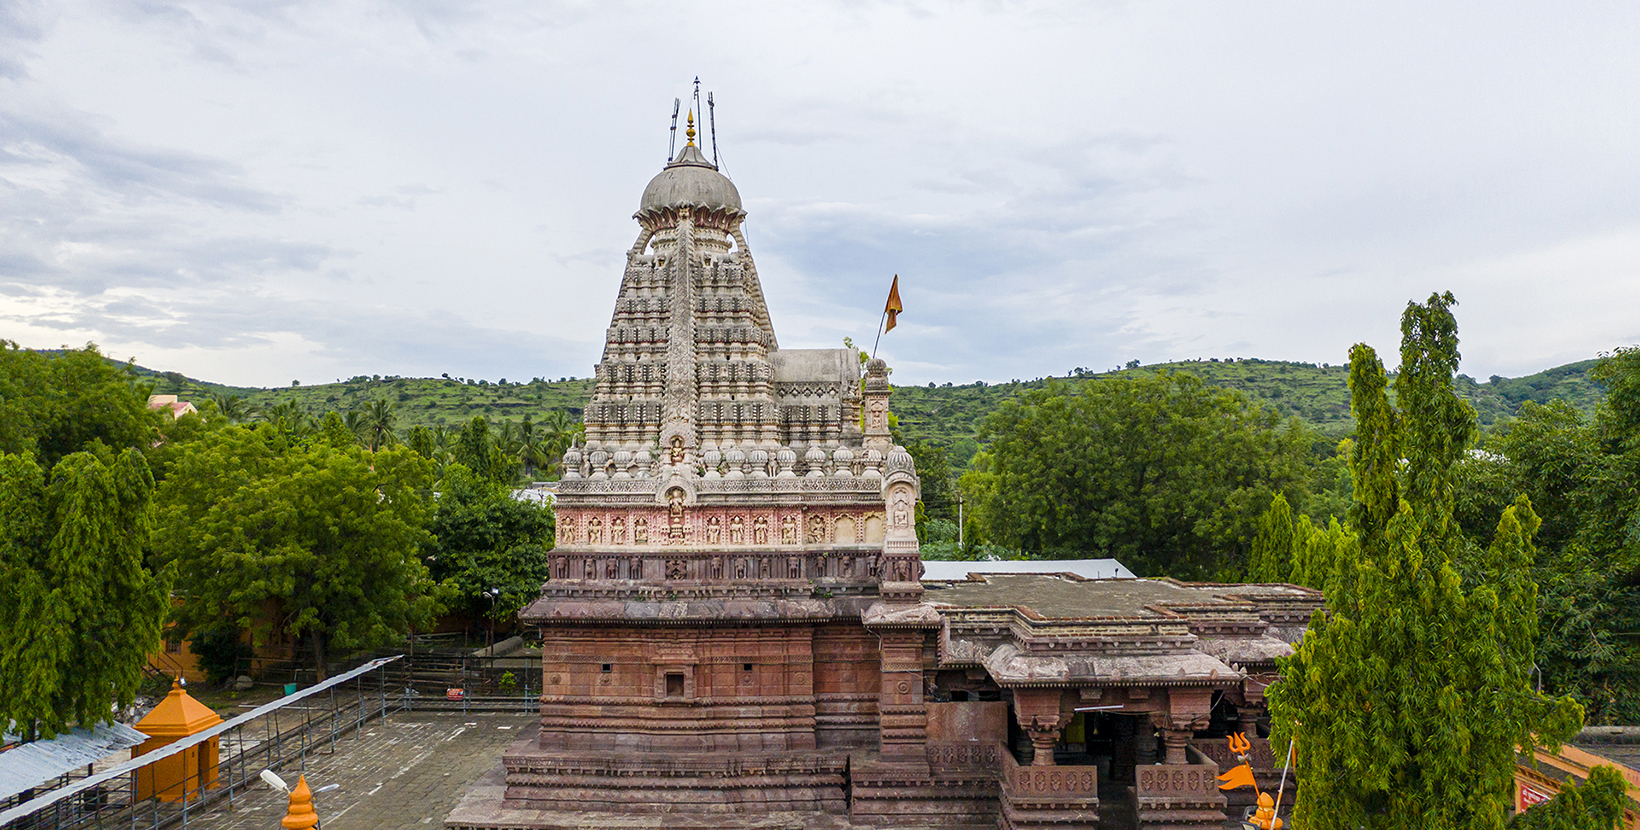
<point>34,764</point>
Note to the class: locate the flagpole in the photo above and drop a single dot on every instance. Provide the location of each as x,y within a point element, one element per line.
<point>1282,787</point>
<point>879,333</point>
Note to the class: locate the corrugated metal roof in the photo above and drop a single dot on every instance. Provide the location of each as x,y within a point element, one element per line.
<point>31,765</point>
<point>1085,568</point>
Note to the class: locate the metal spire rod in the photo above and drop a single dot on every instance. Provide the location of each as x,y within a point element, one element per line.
<point>711,115</point>
<point>672,142</point>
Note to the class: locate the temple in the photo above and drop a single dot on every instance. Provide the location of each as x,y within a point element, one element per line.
<point>737,630</point>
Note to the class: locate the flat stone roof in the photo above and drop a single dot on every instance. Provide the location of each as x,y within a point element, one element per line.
<point>1058,597</point>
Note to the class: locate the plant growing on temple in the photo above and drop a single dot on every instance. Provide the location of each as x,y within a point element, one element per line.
<point>318,539</point>
<point>1410,697</point>
<point>1162,472</point>
<point>79,613</point>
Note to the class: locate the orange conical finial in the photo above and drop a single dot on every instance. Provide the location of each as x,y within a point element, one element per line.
<point>690,132</point>
<point>1265,815</point>
<point>300,815</point>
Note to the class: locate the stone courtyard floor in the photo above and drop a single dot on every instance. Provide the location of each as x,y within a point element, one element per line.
<point>406,771</point>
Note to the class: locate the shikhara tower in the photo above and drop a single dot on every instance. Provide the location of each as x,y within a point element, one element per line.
<point>736,510</point>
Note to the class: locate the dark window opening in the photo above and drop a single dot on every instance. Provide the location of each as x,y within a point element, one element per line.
<point>609,667</point>
<point>745,666</point>
<point>959,697</point>
<point>674,685</point>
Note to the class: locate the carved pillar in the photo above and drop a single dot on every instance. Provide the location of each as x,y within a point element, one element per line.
<point>1175,740</point>
<point>1188,710</point>
<point>1042,716</point>
<point>902,718</point>
<point>875,394</point>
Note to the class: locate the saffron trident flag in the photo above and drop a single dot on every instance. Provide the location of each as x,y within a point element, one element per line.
<point>893,308</point>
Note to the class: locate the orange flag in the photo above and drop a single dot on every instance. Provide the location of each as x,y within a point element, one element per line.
<point>1238,776</point>
<point>893,308</point>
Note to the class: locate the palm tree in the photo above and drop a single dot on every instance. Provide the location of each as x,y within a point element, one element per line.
<point>289,418</point>
<point>355,421</point>
<point>233,407</point>
<point>532,447</point>
<point>558,432</point>
<point>378,424</point>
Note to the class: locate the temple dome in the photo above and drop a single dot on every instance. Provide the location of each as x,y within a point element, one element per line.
<point>690,181</point>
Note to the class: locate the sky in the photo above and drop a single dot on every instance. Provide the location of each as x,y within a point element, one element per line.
<point>259,192</point>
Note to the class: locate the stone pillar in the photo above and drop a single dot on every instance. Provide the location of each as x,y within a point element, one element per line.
<point>1175,740</point>
<point>902,717</point>
<point>1042,716</point>
<point>1144,742</point>
<point>1122,749</point>
<point>875,394</point>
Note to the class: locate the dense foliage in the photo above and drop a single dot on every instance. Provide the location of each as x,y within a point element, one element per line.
<point>1410,696</point>
<point>1164,473</point>
<point>490,549</point>
<point>1596,804</point>
<point>59,403</point>
<point>78,611</point>
<point>1580,472</point>
<point>317,538</point>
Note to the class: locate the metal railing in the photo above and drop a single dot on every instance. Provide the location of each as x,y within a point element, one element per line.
<point>278,735</point>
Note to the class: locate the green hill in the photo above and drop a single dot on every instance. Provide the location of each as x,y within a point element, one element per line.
<point>947,415</point>
<point>1317,394</point>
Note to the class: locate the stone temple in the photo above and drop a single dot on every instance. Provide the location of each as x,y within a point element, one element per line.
<point>736,631</point>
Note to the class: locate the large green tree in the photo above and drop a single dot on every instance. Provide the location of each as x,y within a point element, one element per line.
<point>54,404</point>
<point>1411,695</point>
<point>1580,473</point>
<point>318,538</point>
<point>78,611</point>
<point>487,541</point>
<point>1164,473</point>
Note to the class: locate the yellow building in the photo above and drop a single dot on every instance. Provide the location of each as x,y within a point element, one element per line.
<point>178,716</point>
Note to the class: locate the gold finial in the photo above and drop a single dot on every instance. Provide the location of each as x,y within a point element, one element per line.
<point>690,132</point>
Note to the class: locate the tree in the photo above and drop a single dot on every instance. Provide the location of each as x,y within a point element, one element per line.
<point>1580,473</point>
<point>318,539</point>
<point>1273,546</point>
<point>54,405</point>
<point>79,613</point>
<point>1596,804</point>
<point>1410,696</point>
<point>379,418</point>
<point>476,448</point>
<point>487,540</point>
<point>1163,472</point>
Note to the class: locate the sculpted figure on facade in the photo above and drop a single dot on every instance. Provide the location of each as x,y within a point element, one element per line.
<point>760,531</point>
<point>640,531</point>
<point>788,531</point>
<point>737,531</point>
<point>595,532</point>
<point>817,530</point>
<point>674,514</point>
<point>617,531</point>
<point>714,531</point>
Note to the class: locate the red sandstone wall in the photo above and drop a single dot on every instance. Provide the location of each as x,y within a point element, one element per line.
<point>681,689</point>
